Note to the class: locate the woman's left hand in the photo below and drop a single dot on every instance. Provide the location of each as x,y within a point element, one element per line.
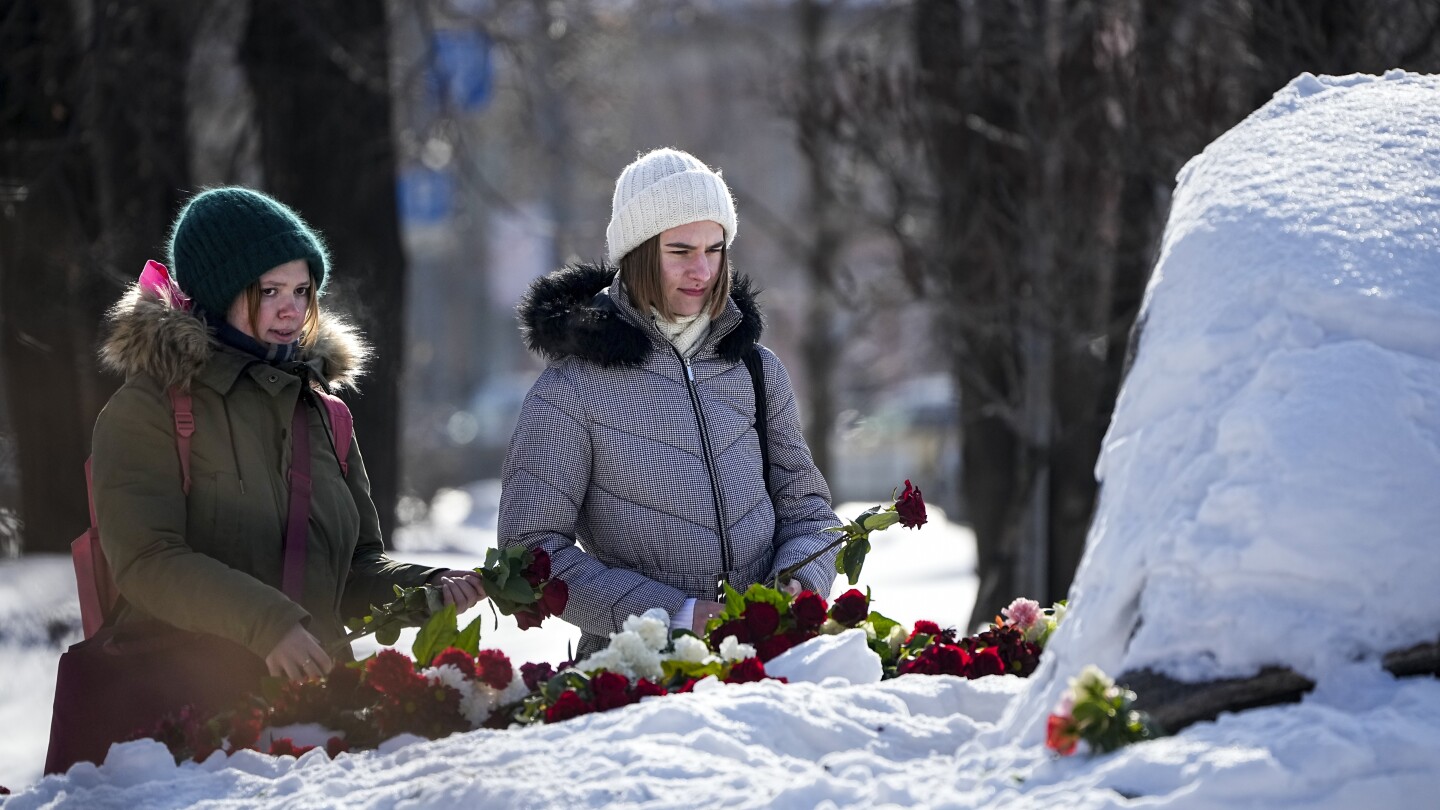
<point>463,589</point>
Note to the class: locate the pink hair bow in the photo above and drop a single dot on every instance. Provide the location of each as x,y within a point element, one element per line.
<point>156,278</point>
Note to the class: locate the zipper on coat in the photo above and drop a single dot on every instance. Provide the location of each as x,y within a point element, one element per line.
<point>714,473</point>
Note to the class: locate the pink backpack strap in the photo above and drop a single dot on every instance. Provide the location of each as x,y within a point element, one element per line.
<point>342,424</point>
<point>181,403</point>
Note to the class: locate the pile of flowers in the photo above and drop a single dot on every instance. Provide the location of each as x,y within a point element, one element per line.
<point>449,684</point>
<point>1097,712</point>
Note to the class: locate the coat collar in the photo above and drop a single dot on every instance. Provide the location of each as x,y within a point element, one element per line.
<point>147,335</point>
<point>573,313</point>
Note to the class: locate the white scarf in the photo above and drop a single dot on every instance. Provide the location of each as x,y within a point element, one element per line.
<point>684,333</point>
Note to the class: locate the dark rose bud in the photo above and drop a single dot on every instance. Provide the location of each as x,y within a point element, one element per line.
<point>539,568</point>
<point>528,618</point>
<point>734,627</point>
<point>950,660</point>
<point>986,662</point>
<point>335,746</point>
<point>762,619</point>
<point>612,690</point>
<point>809,610</point>
<point>773,646</point>
<point>535,675</point>
<point>911,507</point>
<point>568,705</point>
<point>749,670</point>
<point>850,608</point>
<point>554,598</point>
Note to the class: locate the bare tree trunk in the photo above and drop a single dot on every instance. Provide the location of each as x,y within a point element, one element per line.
<point>320,74</point>
<point>94,154</point>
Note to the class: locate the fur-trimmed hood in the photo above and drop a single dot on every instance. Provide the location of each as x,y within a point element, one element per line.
<point>149,336</point>
<point>565,314</point>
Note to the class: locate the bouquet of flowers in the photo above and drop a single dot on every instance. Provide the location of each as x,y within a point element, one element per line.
<point>517,583</point>
<point>1098,712</point>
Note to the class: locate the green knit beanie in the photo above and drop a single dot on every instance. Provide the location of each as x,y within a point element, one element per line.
<point>227,238</point>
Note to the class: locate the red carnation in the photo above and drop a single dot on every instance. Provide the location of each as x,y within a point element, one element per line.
<point>457,658</point>
<point>924,627</point>
<point>286,747</point>
<point>911,507</point>
<point>493,668</point>
<point>647,688</point>
<point>391,673</point>
<point>809,610</point>
<point>245,728</point>
<point>568,705</point>
<point>535,675</point>
<point>612,690</point>
<point>850,608</point>
<point>762,619</point>
<point>749,670</point>
<point>539,568</point>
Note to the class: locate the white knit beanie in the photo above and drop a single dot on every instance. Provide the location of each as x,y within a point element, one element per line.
<point>661,190</point>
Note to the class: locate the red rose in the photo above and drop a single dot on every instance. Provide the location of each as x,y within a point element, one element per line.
<point>735,627</point>
<point>1060,735</point>
<point>911,507</point>
<point>809,609</point>
<point>493,668</point>
<point>986,662</point>
<point>528,617</point>
<point>539,568</point>
<point>335,746</point>
<point>391,673</point>
<point>612,690</point>
<point>850,608</point>
<point>568,705</point>
<point>647,688</point>
<point>688,686</point>
<point>535,675</point>
<point>245,728</point>
<point>950,660</point>
<point>749,670</point>
<point>762,619</point>
<point>457,658</point>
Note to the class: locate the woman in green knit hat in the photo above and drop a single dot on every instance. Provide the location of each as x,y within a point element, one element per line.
<point>255,352</point>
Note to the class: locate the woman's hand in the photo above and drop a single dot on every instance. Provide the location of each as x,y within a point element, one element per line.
<point>298,656</point>
<point>463,589</point>
<point>705,610</point>
<point>792,587</point>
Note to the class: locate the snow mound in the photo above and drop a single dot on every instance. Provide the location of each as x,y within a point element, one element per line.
<point>1272,472</point>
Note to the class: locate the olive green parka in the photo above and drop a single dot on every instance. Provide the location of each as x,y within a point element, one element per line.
<point>212,561</point>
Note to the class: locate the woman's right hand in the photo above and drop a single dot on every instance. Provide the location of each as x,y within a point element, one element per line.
<point>298,656</point>
<point>705,610</point>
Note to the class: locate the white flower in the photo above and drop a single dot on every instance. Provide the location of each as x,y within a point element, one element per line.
<point>653,628</point>
<point>691,650</point>
<point>448,675</point>
<point>516,690</point>
<point>732,650</point>
<point>477,701</point>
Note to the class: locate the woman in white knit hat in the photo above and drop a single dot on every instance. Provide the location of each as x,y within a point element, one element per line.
<point>637,458</point>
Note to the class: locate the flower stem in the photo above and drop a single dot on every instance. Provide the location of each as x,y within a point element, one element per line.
<point>790,571</point>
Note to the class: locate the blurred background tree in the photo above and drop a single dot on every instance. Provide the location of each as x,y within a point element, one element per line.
<point>952,206</point>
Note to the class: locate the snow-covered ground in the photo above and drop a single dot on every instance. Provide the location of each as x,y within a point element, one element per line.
<point>1270,497</point>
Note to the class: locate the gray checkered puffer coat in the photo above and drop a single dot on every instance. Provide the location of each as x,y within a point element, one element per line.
<point>644,488</point>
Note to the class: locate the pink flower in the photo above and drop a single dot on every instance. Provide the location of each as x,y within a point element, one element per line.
<point>1022,613</point>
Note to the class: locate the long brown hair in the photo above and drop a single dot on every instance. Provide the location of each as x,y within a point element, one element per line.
<point>641,272</point>
<point>308,328</point>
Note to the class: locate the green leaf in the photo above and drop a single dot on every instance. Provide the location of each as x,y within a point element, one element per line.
<point>437,634</point>
<point>387,636</point>
<point>469,638</point>
<point>852,559</point>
